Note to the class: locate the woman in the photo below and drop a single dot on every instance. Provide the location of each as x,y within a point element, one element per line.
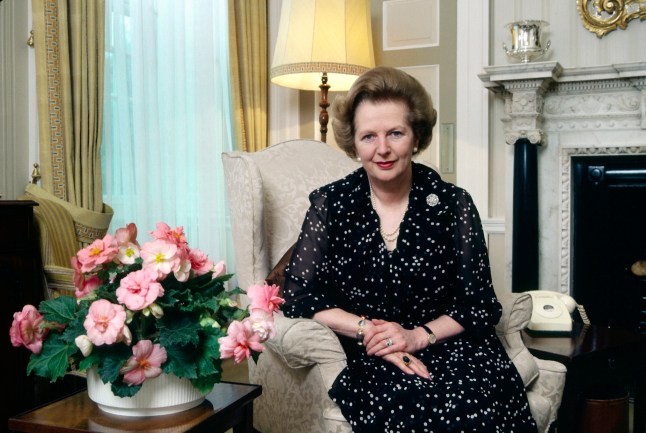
<point>393,259</point>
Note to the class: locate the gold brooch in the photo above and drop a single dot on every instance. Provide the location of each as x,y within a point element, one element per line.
<point>432,200</point>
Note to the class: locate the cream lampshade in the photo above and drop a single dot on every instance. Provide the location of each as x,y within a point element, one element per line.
<point>320,41</point>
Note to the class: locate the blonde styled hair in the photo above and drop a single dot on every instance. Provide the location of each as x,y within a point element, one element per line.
<point>382,84</point>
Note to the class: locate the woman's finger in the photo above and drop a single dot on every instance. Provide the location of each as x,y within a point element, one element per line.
<point>408,364</point>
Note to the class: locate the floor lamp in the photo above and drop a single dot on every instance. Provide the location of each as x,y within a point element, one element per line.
<point>321,42</point>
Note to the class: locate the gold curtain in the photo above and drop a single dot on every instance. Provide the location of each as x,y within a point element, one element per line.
<point>249,72</point>
<point>69,44</point>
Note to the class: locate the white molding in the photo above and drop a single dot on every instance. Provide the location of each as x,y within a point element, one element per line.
<point>422,29</point>
<point>472,112</point>
<point>494,226</point>
<point>14,110</point>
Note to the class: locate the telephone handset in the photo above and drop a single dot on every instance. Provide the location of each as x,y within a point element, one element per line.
<point>552,312</point>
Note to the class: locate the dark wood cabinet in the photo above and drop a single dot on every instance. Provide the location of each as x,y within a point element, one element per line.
<point>21,283</point>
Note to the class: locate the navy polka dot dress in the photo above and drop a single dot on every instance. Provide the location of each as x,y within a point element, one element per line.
<point>440,266</point>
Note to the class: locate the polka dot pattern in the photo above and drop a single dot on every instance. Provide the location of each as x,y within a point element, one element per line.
<point>440,266</point>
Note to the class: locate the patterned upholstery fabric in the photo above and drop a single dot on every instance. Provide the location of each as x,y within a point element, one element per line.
<point>268,196</point>
<point>544,380</point>
<point>58,243</point>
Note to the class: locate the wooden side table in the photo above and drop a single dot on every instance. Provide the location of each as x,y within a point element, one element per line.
<point>228,406</point>
<point>594,355</point>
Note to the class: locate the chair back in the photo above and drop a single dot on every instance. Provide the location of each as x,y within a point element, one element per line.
<point>268,197</point>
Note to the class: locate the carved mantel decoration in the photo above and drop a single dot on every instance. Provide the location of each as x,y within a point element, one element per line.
<point>604,16</point>
<point>596,110</point>
<point>523,88</point>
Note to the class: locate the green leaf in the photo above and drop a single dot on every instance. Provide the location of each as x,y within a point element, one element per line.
<point>181,361</point>
<point>74,328</point>
<point>108,358</point>
<point>209,361</point>
<point>205,384</point>
<point>52,362</point>
<point>121,389</point>
<point>178,329</point>
<point>61,310</point>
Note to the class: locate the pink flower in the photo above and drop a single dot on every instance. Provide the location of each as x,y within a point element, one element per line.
<point>127,253</point>
<point>26,329</point>
<point>127,235</point>
<point>175,236</point>
<point>262,324</point>
<point>89,285</point>
<point>239,342</point>
<point>79,277</point>
<point>99,252</point>
<point>183,271</point>
<point>144,364</point>
<point>264,297</point>
<point>200,262</point>
<point>160,256</point>
<point>83,284</point>
<point>105,322</point>
<point>220,269</point>
<point>139,289</point>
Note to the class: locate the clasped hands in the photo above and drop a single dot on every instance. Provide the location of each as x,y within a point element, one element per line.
<point>396,345</point>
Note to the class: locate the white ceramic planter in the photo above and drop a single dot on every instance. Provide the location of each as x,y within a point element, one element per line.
<point>163,395</point>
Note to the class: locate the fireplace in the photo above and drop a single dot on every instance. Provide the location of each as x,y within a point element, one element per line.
<point>608,232</point>
<point>588,126</point>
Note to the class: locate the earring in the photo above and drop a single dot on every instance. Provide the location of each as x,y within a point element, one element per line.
<point>415,149</point>
<point>358,158</point>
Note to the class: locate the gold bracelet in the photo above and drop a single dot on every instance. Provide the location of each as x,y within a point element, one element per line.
<point>362,325</point>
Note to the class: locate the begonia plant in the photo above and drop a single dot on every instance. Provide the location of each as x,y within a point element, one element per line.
<point>144,310</point>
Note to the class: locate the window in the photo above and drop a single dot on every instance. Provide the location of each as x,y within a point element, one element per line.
<point>167,118</point>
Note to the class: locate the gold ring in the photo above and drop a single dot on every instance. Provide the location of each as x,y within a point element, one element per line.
<point>389,342</point>
<point>406,360</point>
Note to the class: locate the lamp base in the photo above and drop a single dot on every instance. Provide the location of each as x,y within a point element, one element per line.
<point>324,104</point>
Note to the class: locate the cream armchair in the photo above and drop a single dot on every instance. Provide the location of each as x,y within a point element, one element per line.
<point>268,196</point>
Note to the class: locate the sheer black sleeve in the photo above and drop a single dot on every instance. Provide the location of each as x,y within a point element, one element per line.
<point>308,272</point>
<point>474,304</point>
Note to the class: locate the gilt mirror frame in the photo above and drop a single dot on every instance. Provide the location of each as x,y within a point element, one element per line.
<point>604,16</point>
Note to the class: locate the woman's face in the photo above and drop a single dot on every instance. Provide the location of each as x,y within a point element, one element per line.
<point>384,140</point>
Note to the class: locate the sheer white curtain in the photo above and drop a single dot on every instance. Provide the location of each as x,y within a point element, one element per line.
<point>167,118</point>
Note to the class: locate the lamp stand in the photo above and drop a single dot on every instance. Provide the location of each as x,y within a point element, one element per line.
<point>323,116</point>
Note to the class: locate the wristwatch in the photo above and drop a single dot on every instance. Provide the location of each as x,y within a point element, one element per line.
<point>432,339</point>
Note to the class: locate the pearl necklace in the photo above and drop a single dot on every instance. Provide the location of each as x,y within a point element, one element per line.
<point>392,236</point>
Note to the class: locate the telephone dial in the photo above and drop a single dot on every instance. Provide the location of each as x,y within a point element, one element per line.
<point>552,312</point>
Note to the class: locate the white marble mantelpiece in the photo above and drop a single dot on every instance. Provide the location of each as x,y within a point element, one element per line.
<point>597,110</point>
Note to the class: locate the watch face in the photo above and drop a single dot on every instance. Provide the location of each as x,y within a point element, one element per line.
<point>432,338</point>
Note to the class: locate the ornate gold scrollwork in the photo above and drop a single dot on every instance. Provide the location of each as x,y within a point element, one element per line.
<point>604,16</point>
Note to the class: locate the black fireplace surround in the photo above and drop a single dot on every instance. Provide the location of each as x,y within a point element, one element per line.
<point>608,234</point>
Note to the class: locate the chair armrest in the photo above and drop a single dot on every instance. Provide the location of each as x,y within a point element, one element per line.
<point>551,381</point>
<point>60,281</point>
<point>296,370</point>
<point>305,342</point>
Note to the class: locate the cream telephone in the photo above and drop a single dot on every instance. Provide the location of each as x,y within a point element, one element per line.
<point>552,312</point>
